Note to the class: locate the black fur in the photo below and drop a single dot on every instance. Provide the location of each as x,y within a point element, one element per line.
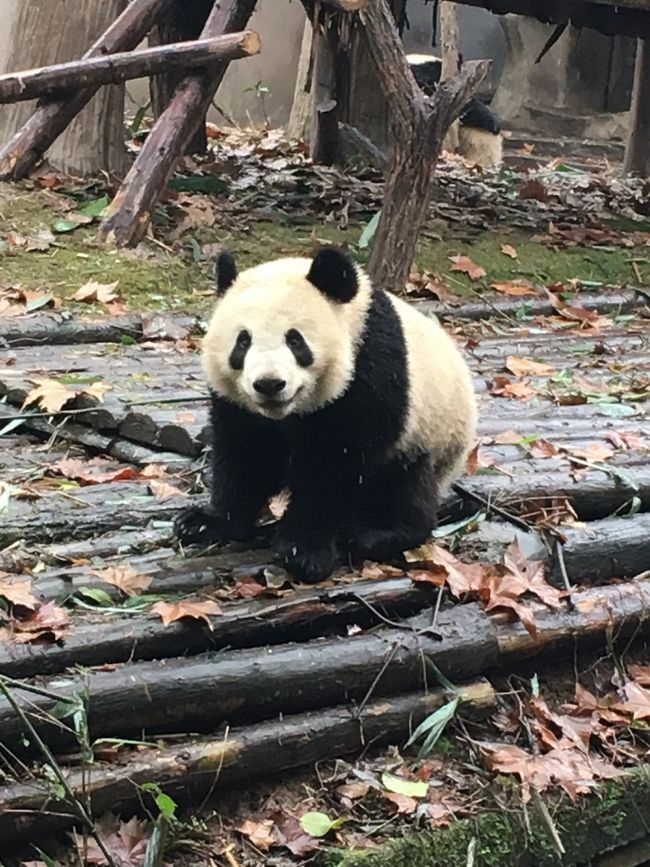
<point>299,347</point>
<point>334,274</point>
<point>348,498</point>
<point>476,115</point>
<point>225,271</point>
<point>427,75</point>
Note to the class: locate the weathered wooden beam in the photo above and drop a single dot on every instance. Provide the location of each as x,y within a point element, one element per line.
<point>637,151</point>
<point>19,156</point>
<point>114,68</point>
<point>128,215</point>
<point>203,765</point>
<point>325,145</point>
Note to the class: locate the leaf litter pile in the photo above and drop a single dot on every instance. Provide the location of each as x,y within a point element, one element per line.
<point>500,668</point>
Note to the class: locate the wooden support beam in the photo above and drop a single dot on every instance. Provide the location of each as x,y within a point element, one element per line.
<point>637,151</point>
<point>128,215</point>
<point>114,68</point>
<point>19,156</point>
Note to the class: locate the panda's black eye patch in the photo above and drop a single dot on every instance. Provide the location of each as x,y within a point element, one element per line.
<point>239,350</point>
<point>299,347</point>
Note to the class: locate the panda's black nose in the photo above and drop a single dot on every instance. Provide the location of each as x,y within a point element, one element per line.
<point>268,386</point>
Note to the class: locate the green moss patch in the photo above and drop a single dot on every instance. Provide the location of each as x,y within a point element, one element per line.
<point>616,815</point>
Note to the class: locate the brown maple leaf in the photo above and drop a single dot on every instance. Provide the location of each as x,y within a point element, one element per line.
<point>195,609</point>
<point>515,288</point>
<point>125,578</point>
<point>441,565</point>
<point>164,491</point>
<point>49,621</point>
<point>49,394</point>
<point>95,471</point>
<point>466,266</point>
<point>17,591</point>
<point>505,387</point>
<point>259,833</point>
<point>126,842</point>
<point>104,292</point>
<point>527,367</point>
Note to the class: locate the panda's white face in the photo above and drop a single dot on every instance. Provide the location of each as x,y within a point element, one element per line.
<point>278,345</point>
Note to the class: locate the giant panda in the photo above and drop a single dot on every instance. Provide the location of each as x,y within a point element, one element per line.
<point>479,134</point>
<point>323,384</point>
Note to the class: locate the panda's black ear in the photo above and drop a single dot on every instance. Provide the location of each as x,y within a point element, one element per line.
<point>225,271</point>
<point>334,273</point>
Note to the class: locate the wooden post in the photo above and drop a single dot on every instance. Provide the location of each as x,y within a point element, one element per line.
<point>302,97</point>
<point>19,156</point>
<point>450,57</point>
<point>419,125</point>
<point>183,21</point>
<point>115,68</point>
<point>323,90</point>
<point>129,213</point>
<point>637,152</point>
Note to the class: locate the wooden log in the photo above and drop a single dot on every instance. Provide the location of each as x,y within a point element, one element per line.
<point>301,112</point>
<point>183,21</point>
<point>306,615</point>
<point>637,151</point>
<point>19,156</point>
<point>52,330</point>
<point>602,550</point>
<point>201,692</point>
<point>128,215</point>
<point>115,68</point>
<point>203,765</point>
<point>598,613</point>
<point>595,496</point>
<point>419,124</point>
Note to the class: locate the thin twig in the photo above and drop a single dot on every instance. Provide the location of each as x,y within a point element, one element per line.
<point>74,802</point>
<point>378,676</point>
<point>559,554</point>
<point>487,504</point>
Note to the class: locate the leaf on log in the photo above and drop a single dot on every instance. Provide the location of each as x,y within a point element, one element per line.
<point>48,622</point>
<point>125,578</point>
<point>49,394</point>
<point>17,592</point>
<point>504,387</point>
<point>170,611</point>
<point>514,287</point>
<point>163,490</point>
<point>527,367</point>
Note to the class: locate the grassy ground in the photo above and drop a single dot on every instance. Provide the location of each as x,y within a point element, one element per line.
<point>157,276</point>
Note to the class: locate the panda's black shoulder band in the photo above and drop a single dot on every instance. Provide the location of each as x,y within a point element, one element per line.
<point>334,273</point>
<point>225,271</point>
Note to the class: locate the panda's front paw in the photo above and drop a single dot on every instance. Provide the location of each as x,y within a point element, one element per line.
<point>199,525</point>
<point>309,560</point>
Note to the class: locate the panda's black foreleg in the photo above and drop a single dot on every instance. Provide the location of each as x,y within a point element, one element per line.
<point>396,512</point>
<point>249,460</point>
<point>307,534</point>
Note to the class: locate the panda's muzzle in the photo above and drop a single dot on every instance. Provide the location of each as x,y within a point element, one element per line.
<point>269,386</point>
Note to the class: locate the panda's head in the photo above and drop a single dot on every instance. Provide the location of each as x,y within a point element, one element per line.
<point>284,335</point>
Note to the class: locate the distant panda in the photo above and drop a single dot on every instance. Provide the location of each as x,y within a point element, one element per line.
<point>479,133</point>
<point>358,404</point>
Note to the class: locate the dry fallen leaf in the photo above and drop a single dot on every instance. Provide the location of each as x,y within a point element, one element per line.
<point>594,452</point>
<point>465,264</point>
<point>104,292</point>
<point>170,611</point>
<point>514,287</point>
<point>49,621</point>
<point>49,394</point>
<point>479,460</point>
<point>542,448</point>
<point>509,250</point>
<point>527,367</point>
<point>17,591</point>
<point>164,491</point>
<point>259,833</point>
<point>533,189</point>
<point>504,387</point>
<point>637,701</point>
<point>95,471</point>
<point>403,803</point>
<point>126,842</point>
<point>125,578</point>
<point>97,389</point>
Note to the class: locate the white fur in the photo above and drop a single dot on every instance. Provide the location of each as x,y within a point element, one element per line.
<point>480,147</point>
<point>441,415</point>
<point>268,300</point>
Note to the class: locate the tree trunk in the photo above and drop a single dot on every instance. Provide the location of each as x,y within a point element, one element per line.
<point>450,57</point>
<point>299,120</point>
<point>183,21</point>
<point>637,153</point>
<point>419,124</point>
<point>42,34</point>
<point>323,134</point>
